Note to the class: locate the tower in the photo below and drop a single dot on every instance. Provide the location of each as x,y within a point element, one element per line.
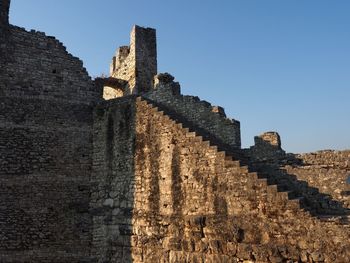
<point>137,63</point>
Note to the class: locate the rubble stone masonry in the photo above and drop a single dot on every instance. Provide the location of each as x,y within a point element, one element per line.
<point>328,171</point>
<point>46,102</point>
<point>137,63</point>
<point>181,200</point>
<point>148,175</point>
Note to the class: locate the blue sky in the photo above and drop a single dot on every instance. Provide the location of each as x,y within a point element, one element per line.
<point>272,64</point>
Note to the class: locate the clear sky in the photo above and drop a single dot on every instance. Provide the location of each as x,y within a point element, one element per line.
<point>272,64</point>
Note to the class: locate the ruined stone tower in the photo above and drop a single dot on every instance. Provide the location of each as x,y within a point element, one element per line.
<point>124,169</point>
<point>137,63</point>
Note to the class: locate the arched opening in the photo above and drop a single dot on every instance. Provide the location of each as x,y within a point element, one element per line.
<point>112,93</point>
<point>111,87</point>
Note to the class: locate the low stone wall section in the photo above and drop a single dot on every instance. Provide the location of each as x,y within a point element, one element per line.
<point>328,171</point>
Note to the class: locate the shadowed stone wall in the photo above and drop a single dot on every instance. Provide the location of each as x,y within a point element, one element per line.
<point>46,120</point>
<point>113,180</point>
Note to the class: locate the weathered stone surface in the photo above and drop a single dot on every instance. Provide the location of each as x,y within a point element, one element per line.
<point>327,171</point>
<point>46,102</point>
<point>120,180</point>
<point>267,146</point>
<point>190,203</point>
<point>137,63</point>
<point>197,114</point>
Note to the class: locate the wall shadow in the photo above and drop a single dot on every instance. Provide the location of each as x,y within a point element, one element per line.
<point>311,198</point>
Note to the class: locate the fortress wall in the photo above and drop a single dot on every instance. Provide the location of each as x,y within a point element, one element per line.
<point>45,150</point>
<point>36,65</point>
<point>326,170</point>
<point>190,203</point>
<point>112,180</point>
<point>44,218</point>
<point>201,114</point>
<point>180,200</point>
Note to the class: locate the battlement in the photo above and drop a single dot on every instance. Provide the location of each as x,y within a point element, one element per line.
<point>137,63</point>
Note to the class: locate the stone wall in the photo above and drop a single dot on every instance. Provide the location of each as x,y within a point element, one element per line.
<point>301,174</point>
<point>267,146</point>
<point>85,180</point>
<point>46,120</point>
<point>327,171</point>
<point>199,114</point>
<point>183,201</point>
<point>113,180</point>
<point>137,63</point>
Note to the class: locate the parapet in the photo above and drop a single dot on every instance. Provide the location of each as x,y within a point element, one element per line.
<point>137,63</point>
<point>197,114</point>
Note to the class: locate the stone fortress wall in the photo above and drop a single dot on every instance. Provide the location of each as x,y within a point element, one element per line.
<point>140,69</point>
<point>46,103</point>
<point>149,175</point>
<point>189,202</point>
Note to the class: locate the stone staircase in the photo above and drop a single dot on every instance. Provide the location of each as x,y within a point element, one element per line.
<point>297,194</point>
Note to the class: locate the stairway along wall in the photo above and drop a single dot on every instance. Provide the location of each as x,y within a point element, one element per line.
<point>185,201</point>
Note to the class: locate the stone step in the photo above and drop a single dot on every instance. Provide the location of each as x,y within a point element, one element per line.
<point>197,139</point>
<point>275,181</point>
<point>207,143</point>
<point>229,163</point>
<point>221,154</point>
